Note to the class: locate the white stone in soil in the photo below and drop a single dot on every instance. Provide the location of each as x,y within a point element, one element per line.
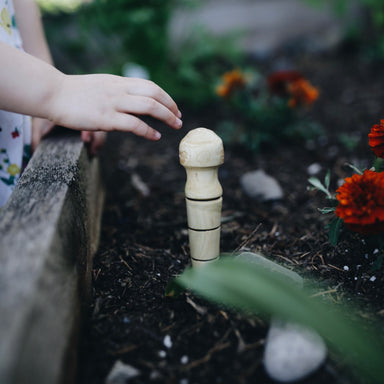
<point>292,352</point>
<point>121,373</point>
<point>257,184</point>
<point>314,169</point>
<point>167,341</point>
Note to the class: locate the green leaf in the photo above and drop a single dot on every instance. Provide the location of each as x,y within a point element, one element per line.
<point>318,185</point>
<point>357,170</point>
<point>251,288</point>
<point>326,210</point>
<point>334,230</point>
<point>327,179</point>
<point>378,164</point>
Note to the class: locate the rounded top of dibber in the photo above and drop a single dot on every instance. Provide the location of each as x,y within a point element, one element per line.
<point>201,147</point>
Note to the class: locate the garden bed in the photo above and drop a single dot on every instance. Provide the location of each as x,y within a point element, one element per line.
<point>144,240</point>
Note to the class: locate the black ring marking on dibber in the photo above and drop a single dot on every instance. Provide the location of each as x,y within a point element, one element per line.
<point>211,199</point>
<point>204,230</point>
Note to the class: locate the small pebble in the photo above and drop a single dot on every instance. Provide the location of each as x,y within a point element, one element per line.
<point>373,278</point>
<point>155,375</point>
<point>167,341</point>
<point>314,169</point>
<point>184,359</point>
<point>162,354</point>
<point>121,373</point>
<point>346,268</point>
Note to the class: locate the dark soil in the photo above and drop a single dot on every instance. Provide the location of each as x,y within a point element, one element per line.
<point>144,240</point>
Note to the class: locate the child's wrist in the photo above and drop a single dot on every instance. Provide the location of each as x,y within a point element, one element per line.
<point>54,105</point>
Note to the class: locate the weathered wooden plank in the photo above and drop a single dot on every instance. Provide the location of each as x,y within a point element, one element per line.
<point>48,233</point>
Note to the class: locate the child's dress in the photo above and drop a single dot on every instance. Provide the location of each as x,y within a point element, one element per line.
<point>15,129</point>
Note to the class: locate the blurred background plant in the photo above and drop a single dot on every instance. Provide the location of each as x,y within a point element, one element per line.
<point>261,110</point>
<point>365,33</point>
<point>106,35</point>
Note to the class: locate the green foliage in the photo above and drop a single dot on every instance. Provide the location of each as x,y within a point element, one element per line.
<point>369,33</point>
<point>335,225</point>
<point>378,164</point>
<point>255,289</point>
<point>349,142</point>
<point>334,230</point>
<point>339,6</point>
<point>317,184</point>
<point>54,6</point>
<point>140,26</point>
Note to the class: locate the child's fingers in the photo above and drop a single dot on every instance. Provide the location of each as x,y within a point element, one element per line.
<point>128,123</point>
<point>97,142</point>
<point>94,140</point>
<point>86,136</point>
<point>140,87</point>
<point>142,105</point>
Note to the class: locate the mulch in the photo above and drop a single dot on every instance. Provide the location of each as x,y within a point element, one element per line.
<point>144,240</point>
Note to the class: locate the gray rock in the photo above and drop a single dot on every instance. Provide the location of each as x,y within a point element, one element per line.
<point>121,373</point>
<point>292,352</point>
<point>259,185</point>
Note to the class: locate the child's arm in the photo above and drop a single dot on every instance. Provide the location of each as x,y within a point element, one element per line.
<point>29,23</point>
<point>87,102</point>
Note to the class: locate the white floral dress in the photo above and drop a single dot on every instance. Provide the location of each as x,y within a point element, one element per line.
<point>15,129</point>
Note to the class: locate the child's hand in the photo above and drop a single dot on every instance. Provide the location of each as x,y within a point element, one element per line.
<point>95,140</point>
<point>108,103</point>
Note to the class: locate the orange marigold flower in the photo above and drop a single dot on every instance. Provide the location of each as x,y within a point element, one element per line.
<point>376,139</point>
<point>230,82</point>
<point>361,202</point>
<point>302,92</point>
<point>278,81</point>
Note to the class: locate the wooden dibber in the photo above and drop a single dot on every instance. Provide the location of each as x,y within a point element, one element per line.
<point>201,152</point>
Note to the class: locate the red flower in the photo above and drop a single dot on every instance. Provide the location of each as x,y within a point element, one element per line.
<point>15,134</point>
<point>278,81</point>
<point>376,139</point>
<point>292,84</point>
<point>361,202</point>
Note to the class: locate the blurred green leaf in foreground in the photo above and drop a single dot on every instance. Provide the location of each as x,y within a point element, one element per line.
<point>254,289</point>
